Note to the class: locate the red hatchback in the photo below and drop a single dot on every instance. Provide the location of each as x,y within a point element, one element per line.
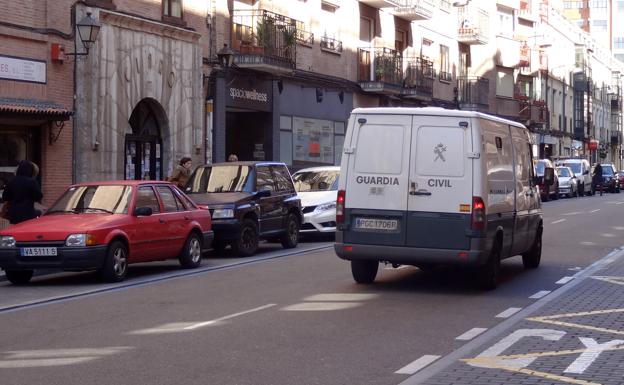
<point>105,226</point>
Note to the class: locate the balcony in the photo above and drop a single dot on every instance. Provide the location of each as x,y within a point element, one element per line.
<point>265,41</point>
<point>472,25</point>
<point>415,10</point>
<point>525,55</point>
<point>380,70</point>
<point>382,3</point>
<point>419,76</point>
<point>331,45</point>
<point>473,93</point>
<point>526,11</point>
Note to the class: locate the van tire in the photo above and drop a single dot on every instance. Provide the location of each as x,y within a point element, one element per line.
<point>490,272</point>
<point>531,259</point>
<point>364,271</point>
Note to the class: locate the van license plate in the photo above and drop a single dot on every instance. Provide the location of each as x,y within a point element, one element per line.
<point>376,224</point>
<point>38,251</point>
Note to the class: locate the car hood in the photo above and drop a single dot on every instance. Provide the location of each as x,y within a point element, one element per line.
<point>564,179</point>
<point>56,227</point>
<point>219,199</point>
<point>315,198</point>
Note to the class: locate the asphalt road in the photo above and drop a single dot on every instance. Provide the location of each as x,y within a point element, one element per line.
<point>292,319</point>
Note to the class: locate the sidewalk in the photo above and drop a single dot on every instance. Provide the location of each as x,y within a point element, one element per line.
<point>574,335</point>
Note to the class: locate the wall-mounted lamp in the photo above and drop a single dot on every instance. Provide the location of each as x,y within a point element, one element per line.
<point>88,30</point>
<point>226,56</point>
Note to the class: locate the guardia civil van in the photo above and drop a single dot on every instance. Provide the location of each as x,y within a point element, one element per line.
<point>430,186</point>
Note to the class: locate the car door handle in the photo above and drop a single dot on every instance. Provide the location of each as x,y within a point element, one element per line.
<point>186,218</point>
<point>162,220</point>
<point>420,192</point>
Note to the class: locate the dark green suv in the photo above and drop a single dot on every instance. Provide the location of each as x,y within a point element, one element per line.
<point>248,201</point>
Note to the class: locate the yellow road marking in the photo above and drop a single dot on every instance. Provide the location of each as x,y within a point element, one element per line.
<point>551,319</point>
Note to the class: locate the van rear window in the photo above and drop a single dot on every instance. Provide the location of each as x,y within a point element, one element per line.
<point>372,155</point>
<point>440,151</point>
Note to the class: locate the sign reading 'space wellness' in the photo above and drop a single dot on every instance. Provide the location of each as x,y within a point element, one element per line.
<point>251,94</point>
<point>25,70</point>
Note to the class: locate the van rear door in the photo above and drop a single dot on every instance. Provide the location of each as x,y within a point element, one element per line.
<point>440,183</point>
<point>377,179</point>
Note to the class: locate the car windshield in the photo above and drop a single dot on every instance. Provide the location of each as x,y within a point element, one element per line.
<point>93,199</point>
<point>576,167</point>
<point>607,170</point>
<point>220,179</point>
<point>323,180</point>
<point>563,172</point>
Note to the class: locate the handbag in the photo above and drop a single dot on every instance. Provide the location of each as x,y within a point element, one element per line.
<point>4,210</point>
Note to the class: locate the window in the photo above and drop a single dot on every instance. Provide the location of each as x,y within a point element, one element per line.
<point>169,201</point>
<point>599,25</point>
<point>172,8</point>
<point>620,6</point>
<point>618,43</point>
<point>505,22</point>
<point>400,43</point>
<point>146,197</point>
<point>504,82</point>
<point>282,178</point>
<point>366,29</point>
<point>444,63</point>
<point>265,179</point>
<point>328,15</point>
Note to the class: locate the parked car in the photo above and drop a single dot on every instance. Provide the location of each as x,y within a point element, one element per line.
<point>105,226</point>
<point>610,182</point>
<point>582,170</point>
<point>546,191</point>
<point>248,201</point>
<point>317,187</point>
<point>620,177</point>
<point>568,183</point>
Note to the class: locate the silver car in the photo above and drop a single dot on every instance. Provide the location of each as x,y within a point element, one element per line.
<point>568,182</point>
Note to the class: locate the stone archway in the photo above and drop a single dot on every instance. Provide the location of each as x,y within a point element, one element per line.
<point>144,146</point>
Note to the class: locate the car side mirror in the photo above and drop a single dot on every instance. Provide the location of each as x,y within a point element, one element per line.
<point>263,193</point>
<point>143,211</point>
<point>549,176</point>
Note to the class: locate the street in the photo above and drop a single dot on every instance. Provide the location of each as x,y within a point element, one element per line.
<point>283,316</point>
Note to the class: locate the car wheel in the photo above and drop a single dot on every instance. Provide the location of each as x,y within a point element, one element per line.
<point>19,277</point>
<point>364,271</point>
<point>116,263</point>
<point>490,272</point>
<point>191,253</point>
<point>290,238</point>
<point>531,259</point>
<point>247,242</point>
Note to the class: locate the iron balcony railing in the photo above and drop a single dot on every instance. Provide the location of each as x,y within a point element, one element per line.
<point>473,25</point>
<point>473,92</point>
<point>414,10</point>
<point>332,45</point>
<point>382,65</point>
<point>419,77</point>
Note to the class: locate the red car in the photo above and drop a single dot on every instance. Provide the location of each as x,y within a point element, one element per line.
<point>105,226</point>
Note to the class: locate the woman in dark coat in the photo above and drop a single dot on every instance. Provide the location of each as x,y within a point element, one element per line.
<point>22,192</point>
<point>597,178</point>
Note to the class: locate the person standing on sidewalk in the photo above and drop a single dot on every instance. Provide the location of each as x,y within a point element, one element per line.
<point>182,172</point>
<point>597,179</point>
<point>22,192</point>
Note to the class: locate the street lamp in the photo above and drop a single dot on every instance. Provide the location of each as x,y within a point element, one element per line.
<point>88,30</point>
<point>225,56</point>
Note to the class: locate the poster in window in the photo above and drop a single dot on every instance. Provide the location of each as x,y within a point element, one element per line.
<point>313,140</point>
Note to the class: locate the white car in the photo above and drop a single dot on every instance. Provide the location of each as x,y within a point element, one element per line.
<point>317,188</point>
<point>568,183</point>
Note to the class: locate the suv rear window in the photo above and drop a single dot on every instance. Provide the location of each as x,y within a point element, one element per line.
<point>222,178</point>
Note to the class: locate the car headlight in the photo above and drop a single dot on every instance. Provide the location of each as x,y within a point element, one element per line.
<point>80,240</point>
<point>223,213</point>
<point>7,241</point>
<point>325,207</point>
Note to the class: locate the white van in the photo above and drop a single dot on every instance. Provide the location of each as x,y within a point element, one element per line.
<point>581,168</point>
<point>429,186</point>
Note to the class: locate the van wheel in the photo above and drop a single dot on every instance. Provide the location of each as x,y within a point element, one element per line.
<point>581,190</point>
<point>290,238</point>
<point>364,271</point>
<point>490,272</point>
<point>191,253</point>
<point>116,263</point>
<point>531,259</point>
<point>247,242</point>
<point>19,277</point>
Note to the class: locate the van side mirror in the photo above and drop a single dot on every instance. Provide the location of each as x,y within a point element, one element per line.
<point>549,176</point>
<point>143,211</point>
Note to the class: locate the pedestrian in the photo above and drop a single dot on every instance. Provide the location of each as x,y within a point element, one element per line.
<point>182,172</point>
<point>597,179</point>
<point>232,158</point>
<point>22,192</point>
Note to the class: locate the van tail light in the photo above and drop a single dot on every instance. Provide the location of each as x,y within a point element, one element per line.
<point>478,213</point>
<point>340,207</point>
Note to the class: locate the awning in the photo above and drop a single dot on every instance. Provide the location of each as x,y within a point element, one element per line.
<point>36,108</point>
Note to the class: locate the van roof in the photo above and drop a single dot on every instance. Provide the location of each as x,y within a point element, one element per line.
<point>433,111</point>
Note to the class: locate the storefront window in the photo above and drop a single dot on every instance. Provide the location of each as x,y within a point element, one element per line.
<point>13,146</point>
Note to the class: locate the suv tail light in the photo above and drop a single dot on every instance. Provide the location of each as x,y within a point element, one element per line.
<point>478,214</point>
<point>340,206</point>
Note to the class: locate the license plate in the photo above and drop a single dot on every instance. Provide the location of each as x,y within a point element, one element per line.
<point>376,224</point>
<point>38,251</point>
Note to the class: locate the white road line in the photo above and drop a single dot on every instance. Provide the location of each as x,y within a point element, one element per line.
<point>559,221</point>
<point>573,213</point>
<point>417,365</point>
<point>564,280</point>
<point>594,211</point>
<point>470,334</point>
<point>577,268</point>
<point>540,294</point>
<point>200,324</point>
<point>509,312</point>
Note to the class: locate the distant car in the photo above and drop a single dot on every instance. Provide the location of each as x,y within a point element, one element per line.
<point>620,177</point>
<point>317,187</point>
<point>610,182</point>
<point>249,201</point>
<point>582,170</point>
<point>568,183</point>
<point>546,191</point>
<point>105,226</point>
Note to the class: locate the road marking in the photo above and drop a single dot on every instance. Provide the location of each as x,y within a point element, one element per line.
<point>470,334</point>
<point>564,280</point>
<point>615,280</point>
<point>201,324</point>
<point>552,320</point>
<point>618,228</point>
<point>559,221</point>
<point>540,294</point>
<point>573,213</point>
<point>332,297</point>
<point>56,357</point>
<point>509,312</point>
<point>588,243</point>
<point>417,365</point>
<point>595,211</point>
<point>577,268</point>
<point>608,235</point>
<point>321,306</point>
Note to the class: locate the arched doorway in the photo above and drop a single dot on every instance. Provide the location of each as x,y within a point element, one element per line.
<point>144,155</point>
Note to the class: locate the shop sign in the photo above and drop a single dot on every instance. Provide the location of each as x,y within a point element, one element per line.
<point>25,70</point>
<point>250,93</point>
